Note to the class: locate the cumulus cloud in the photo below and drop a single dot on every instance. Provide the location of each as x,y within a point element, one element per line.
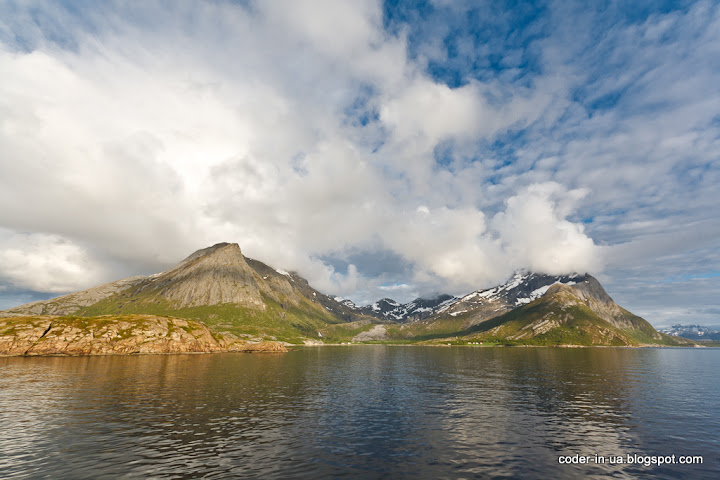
<point>536,233</point>
<point>308,132</point>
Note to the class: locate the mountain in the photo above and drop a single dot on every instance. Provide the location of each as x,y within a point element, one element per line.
<point>69,304</point>
<point>216,285</point>
<point>390,310</point>
<point>580,314</point>
<point>240,299</point>
<point>520,290</point>
<point>540,309</point>
<point>693,332</point>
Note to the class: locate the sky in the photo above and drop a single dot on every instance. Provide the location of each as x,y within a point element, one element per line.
<point>379,149</point>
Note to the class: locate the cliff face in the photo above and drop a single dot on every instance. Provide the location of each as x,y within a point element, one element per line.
<point>107,335</point>
<point>117,335</point>
<point>217,275</point>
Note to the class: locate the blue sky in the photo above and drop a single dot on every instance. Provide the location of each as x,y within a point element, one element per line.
<point>380,149</point>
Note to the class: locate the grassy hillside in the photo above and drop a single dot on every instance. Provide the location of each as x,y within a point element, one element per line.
<point>548,321</point>
<point>286,322</point>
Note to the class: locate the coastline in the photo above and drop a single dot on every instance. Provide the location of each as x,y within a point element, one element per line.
<point>292,347</point>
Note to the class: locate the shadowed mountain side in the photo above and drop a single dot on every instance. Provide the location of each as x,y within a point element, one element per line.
<point>330,304</point>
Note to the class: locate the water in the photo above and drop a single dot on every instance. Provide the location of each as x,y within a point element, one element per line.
<point>362,411</point>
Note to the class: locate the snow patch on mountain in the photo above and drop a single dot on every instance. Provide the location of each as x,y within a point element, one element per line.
<point>519,290</point>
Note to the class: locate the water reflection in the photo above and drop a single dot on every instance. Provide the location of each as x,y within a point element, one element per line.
<point>373,411</point>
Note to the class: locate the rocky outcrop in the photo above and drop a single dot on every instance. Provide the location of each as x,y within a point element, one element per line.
<point>264,347</point>
<point>378,332</point>
<point>105,335</point>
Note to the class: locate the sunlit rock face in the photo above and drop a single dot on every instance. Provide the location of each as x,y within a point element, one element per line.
<point>104,335</point>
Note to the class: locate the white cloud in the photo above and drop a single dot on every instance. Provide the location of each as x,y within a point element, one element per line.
<point>435,111</point>
<point>139,143</point>
<point>336,27</point>
<point>147,154</point>
<point>537,234</point>
<point>46,263</point>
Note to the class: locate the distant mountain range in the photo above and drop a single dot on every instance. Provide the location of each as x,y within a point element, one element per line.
<point>241,299</point>
<point>693,332</point>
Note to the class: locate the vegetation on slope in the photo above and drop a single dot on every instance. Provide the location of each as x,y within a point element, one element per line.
<point>548,321</point>
<point>286,322</point>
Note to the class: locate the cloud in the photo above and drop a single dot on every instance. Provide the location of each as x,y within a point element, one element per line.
<point>536,233</point>
<point>46,263</point>
<point>435,111</point>
<point>456,144</point>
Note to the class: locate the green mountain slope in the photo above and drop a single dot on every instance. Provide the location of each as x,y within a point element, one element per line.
<point>580,314</point>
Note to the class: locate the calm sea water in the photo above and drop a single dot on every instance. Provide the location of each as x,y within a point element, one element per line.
<point>362,411</point>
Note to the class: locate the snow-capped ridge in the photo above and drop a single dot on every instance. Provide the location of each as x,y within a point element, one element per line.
<point>522,288</point>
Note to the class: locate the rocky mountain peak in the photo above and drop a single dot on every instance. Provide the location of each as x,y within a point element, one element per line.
<point>591,293</point>
<point>591,288</point>
<point>521,289</point>
<point>224,249</point>
<point>216,275</point>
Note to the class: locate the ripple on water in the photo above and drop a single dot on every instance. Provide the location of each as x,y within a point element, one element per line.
<point>374,411</point>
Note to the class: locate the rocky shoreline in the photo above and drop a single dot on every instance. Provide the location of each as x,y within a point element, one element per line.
<point>48,335</point>
<point>116,335</point>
